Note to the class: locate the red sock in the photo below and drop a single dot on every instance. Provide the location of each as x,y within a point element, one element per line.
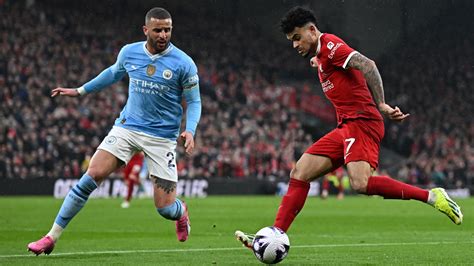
<point>291,203</point>
<point>392,189</point>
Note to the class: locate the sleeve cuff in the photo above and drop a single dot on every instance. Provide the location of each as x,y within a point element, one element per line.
<point>81,90</point>
<point>348,58</point>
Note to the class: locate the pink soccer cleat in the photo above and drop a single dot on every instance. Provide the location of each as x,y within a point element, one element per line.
<point>183,226</point>
<point>45,244</point>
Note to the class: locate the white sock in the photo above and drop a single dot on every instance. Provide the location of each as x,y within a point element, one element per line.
<point>55,232</point>
<point>431,198</point>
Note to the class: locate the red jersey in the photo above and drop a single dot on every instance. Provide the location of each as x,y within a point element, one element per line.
<point>345,88</point>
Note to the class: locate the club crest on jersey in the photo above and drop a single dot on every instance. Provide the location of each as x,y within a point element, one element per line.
<point>150,70</point>
<point>167,74</point>
<point>330,45</point>
<point>111,140</point>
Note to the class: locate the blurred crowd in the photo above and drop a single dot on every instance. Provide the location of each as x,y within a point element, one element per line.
<point>250,126</point>
<point>252,123</point>
<point>434,84</point>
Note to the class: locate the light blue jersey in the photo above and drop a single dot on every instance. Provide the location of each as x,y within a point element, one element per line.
<point>156,87</point>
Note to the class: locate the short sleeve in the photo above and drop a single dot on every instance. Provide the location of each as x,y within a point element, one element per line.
<point>339,52</point>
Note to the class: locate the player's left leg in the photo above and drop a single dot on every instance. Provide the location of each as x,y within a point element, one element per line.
<point>160,159</point>
<point>170,207</point>
<point>360,174</point>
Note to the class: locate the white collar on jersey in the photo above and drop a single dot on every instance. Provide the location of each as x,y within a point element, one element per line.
<point>158,55</point>
<point>319,43</point>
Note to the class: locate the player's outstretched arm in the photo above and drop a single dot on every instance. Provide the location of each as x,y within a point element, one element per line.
<point>106,78</point>
<point>374,82</point>
<point>71,92</point>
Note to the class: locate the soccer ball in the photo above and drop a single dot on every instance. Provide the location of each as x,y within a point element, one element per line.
<point>270,245</point>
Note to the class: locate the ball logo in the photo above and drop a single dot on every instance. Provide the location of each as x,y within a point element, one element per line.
<point>111,140</point>
<point>150,70</point>
<point>167,74</point>
<point>330,45</point>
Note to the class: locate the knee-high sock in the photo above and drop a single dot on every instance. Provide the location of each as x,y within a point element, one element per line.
<point>75,200</point>
<point>392,189</point>
<point>291,203</point>
<point>174,211</point>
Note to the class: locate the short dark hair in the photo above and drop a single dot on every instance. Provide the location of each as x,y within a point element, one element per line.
<point>298,16</point>
<point>158,13</point>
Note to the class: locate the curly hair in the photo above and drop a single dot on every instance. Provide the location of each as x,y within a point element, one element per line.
<point>296,17</point>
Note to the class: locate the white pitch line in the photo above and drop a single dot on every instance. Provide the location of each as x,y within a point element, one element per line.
<point>230,249</point>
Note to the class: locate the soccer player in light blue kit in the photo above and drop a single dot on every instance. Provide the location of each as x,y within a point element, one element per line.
<point>160,76</point>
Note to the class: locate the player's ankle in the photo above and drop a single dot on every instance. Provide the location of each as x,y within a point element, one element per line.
<point>55,232</point>
<point>431,198</point>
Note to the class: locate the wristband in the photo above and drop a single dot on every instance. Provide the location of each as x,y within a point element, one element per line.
<point>81,90</point>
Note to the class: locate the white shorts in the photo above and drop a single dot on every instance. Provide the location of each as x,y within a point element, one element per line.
<point>160,153</point>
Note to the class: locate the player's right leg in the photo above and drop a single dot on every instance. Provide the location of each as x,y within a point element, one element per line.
<point>102,164</point>
<point>308,168</point>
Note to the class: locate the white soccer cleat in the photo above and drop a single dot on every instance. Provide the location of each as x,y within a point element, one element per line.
<point>245,239</point>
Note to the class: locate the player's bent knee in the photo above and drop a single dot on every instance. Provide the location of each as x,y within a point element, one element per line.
<point>298,175</point>
<point>97,174</point>
<point>359,184</point>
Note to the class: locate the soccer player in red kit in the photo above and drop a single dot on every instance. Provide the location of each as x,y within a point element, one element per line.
<point>131,176</point>
<point>353,84</point>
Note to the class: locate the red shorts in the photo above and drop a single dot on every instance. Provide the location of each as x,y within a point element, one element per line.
<point>353,140</point>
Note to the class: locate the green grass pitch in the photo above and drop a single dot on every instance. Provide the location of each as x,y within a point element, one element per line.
<point>357,230</point>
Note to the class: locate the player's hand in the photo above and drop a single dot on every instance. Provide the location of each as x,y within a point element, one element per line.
<point>64,92</point>
<point>188,139</point>
<point>392,113</point>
